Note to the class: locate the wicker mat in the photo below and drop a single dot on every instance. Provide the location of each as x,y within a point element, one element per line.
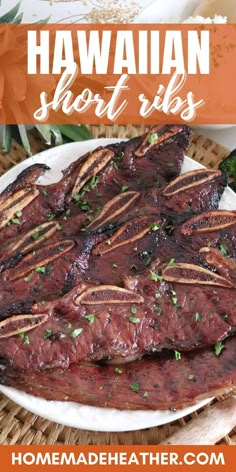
<point>17,425</point>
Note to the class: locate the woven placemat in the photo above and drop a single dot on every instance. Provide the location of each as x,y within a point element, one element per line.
<point>17,425</point>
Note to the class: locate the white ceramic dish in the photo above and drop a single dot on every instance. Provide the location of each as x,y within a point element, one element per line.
<point>69,413</point>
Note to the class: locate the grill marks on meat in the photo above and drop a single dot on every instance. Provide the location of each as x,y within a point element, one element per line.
<point>38,259</point>
<point>96,161</point>
<point>158,135</point>
<point>125,299</point>
<point>20,324</point>
<point>16,203</point>
<point>128,233</point>
<point>113,209</point>
<point>161,383</point>
<point>193,274</point>
<point>209,221</point>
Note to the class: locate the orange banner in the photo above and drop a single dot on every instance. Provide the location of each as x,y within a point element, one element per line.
<point>125,458</point>
<point>117,74</point>
<point>117,457</point>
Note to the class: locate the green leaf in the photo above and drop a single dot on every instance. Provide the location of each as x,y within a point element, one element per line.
<point>42,22</point>
<point>90,318</point>
<point>45,131</point>
<point>134,320</point>
<point>18,19</point>
<point>74,132</point>
<point>177,355</point>
<point>218,348</point>
<point>76,332</point>
<point>57,136</point>
<point>229,166</point>
<point>135,387</point>
<point>11,14</point>
<point>24,138</point>
<point>152,138</point>
<point>7,138</point>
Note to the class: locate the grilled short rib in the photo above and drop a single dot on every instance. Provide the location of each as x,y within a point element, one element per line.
<point>161,383</point>
<point>150,272</point>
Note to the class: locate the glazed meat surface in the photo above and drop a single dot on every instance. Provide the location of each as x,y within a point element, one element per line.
<point>121,271</point>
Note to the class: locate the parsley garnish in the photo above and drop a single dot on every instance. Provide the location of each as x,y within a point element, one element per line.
<point>155,227</point>
<point>90,318</point>
<point>171,262</point>
<point>197,317</point>
<point>25,339</point>
<point>135,387</point>
<point>76,332</point>
<point>152,138</point>
<point>155,277</point>
<point>218,348</point>
<point>224,250</point>
<point>118,371</point>
<point>191,377</point>
<point>41,270</point>
<point>47,333</point>
<point>177,355</point>
<point>157,309</point>
<point>124,188</point>
<point>134,320</point>
<point>44,192</point>
<point>133,310</point>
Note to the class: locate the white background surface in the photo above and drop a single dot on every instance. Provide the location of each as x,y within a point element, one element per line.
<point>73,414</point>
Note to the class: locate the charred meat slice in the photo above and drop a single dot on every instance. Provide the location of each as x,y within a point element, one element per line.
<point>148,384</point>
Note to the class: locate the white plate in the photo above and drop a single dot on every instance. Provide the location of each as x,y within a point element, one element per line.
<point>69,413</point>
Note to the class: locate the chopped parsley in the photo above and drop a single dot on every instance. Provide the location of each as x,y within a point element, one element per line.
<point>197,317</point>
<point>157,295</point>
<point>76,332</point>
<point>90,318</point>
<point>134,320</point>
<point>177,355</point>
<point>36,234</point>
<point>171,262</point>
<point>133,310</point>
<point>135,387</point>
<point>155,227</point>
<point>47,333</point>
<point>18,214</point>
<point>118,371</point>
<point>157,309</point>
<point>51,217</point>
<point>218,348</point>
<point>145,395</point>
<point>27,279</point>
<point>114,164</point>
<point>155,277</point>
<point>94,182</point>
<point>152,138</point>
<point>41,270</point>
<point>44,192</point>
<point>191,377</point>
<point>25,339</point>
<point>124,188</point>
<point>15,221</point>
<point>224,250</point>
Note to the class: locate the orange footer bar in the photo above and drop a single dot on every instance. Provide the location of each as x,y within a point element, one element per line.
<point>125,458</point>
